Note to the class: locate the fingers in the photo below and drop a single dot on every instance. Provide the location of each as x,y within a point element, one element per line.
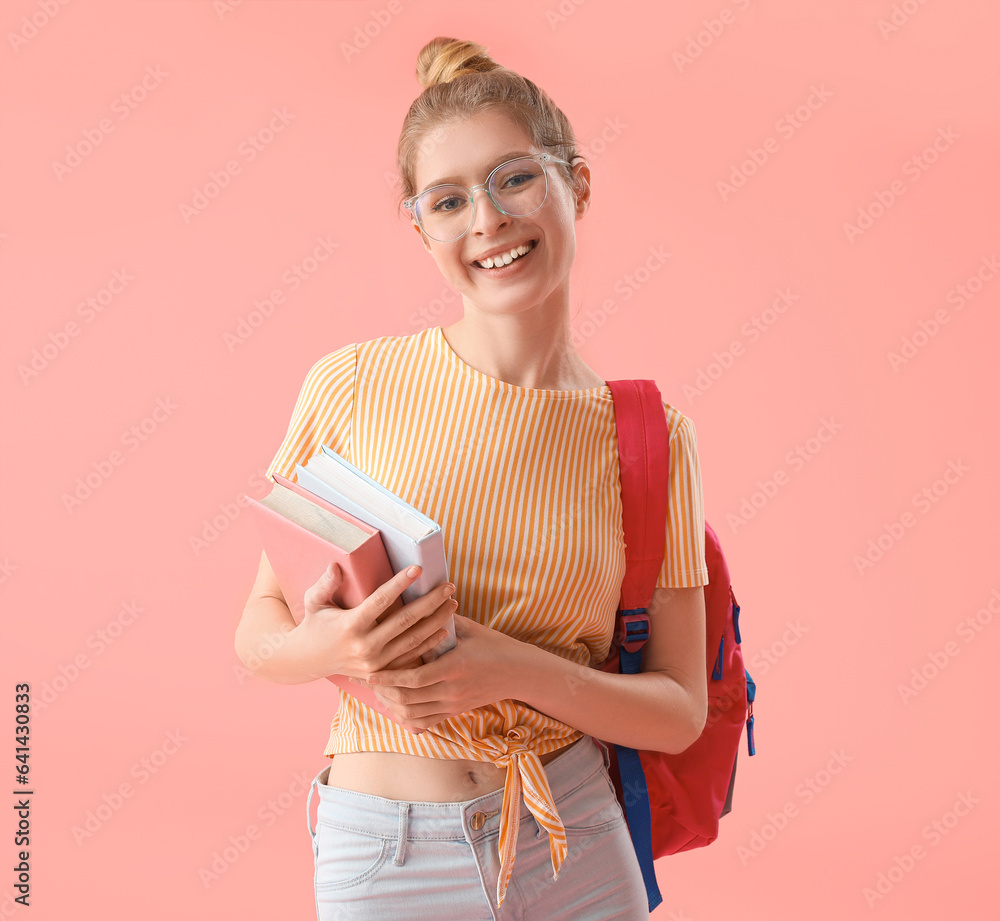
<point>321,593</point>
<point>427,634</point>
<point>410,713</point>
<point>418,627</point>
<point>379,602</point>
<point>409,615</point>
<point>418,717</point>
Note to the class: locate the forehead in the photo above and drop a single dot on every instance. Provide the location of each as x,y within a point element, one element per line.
<point>465,150</point>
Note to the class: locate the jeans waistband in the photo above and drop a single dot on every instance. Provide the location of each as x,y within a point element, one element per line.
<point>382,817</point>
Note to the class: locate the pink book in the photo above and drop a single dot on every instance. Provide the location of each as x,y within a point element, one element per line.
<point>299,555</point>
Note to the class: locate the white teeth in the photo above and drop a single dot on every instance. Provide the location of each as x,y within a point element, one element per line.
<point>505,258</point>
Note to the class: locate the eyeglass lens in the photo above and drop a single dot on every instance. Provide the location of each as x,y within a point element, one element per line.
<point>518,187</point>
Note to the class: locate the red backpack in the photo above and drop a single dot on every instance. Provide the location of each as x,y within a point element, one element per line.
<point>672,802</point>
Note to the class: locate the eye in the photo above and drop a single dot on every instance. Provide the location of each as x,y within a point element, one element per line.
<point>518,180</point>
<point>449,203</point>
<point>443,200</point>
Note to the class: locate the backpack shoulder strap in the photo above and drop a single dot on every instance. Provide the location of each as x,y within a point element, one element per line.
<point>644,459</point>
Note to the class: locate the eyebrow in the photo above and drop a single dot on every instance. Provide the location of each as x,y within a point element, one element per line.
<point>502,158</point>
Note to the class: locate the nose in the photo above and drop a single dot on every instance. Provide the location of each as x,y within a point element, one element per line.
<point>486,218</point>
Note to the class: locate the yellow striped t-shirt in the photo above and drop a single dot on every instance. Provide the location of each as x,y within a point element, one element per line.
<point>524,484</point>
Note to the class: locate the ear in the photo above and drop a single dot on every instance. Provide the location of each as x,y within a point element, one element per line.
<point>581,185</point>
<point>423,237</point>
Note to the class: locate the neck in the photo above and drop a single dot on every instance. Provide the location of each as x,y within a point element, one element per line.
<point>525,350</point>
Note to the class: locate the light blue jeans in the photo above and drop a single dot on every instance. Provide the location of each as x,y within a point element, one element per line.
<point>384,860</point>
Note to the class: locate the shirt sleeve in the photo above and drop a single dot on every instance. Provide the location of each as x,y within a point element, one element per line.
<point>322,413</point>
<point>684,563</point>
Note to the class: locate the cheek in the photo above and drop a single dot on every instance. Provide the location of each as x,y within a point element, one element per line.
<point>562,229</point>
<point>563,238</point>
<point>564,205</point>
<point>448,265</point>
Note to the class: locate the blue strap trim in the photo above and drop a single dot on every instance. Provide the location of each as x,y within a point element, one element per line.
<point>635,626</point>
<point>751,693</point>
<point>627,611</point>
<point>717,670</point>
<point>629,663</point>
<point>637,631</point>
<point>637,814</point>
<point>634,789</point>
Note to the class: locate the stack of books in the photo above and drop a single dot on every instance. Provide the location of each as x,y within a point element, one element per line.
<point>336,512</point>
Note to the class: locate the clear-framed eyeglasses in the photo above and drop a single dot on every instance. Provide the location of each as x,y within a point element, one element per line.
<point>517,187</point>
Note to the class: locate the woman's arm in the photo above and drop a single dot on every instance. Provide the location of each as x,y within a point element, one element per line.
<point>264,628</point>
<point>664,708</point>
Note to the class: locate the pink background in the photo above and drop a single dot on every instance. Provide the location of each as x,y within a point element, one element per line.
<point>157,700</point>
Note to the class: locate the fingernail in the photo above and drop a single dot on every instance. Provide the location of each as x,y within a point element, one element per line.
<point>412,571</point>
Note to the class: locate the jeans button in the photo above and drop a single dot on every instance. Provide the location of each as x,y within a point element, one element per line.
<point>479,819</point>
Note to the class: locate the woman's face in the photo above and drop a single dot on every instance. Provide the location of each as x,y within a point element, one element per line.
<point>465,151</point>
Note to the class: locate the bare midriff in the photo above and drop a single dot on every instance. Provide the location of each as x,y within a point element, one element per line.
<point>417,779</point>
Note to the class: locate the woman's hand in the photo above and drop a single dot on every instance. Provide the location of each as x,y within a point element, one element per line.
<point>376,635</point>
<point>481,669</point>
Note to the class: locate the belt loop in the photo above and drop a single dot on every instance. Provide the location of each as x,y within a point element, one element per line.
<point>309,823</point>
<point>320,778</point>
<point>404,820</point>
<point>604,753</point>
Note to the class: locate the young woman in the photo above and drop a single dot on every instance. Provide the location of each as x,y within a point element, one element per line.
<point>488,797</point>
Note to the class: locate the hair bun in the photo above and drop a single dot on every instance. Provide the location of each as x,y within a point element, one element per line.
<point>441,60</point>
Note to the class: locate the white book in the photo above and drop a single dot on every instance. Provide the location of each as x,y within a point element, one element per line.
<point>410,537</point>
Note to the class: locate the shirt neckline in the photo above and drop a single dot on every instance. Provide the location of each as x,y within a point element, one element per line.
<point>452,357</point>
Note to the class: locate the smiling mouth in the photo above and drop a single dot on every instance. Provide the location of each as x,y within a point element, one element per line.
<point>498,262</point>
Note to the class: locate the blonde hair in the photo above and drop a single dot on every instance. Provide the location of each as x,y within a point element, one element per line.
<point>462,80</point>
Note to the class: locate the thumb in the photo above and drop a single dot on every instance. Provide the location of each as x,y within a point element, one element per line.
<point>333,577</point>
<point>320,594</point>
